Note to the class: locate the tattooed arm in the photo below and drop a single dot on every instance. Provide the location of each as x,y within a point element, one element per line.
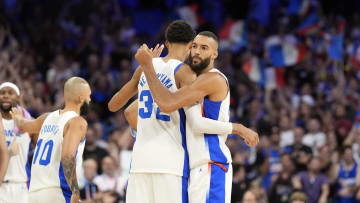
<point>74,132</point>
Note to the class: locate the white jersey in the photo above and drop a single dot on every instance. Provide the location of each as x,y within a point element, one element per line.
<point>160,145</point>
<point>204,148</point>
<point>19,166</point>
<point>47,170</point>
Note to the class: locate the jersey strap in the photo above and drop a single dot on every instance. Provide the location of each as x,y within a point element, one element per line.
<point>178,66</point>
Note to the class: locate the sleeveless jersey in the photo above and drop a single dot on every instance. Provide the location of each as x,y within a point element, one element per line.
<point>47,170</point>
<point>347,177</point>
<point>204,148</point>
<point>160,145</point>
<point>19,165</point>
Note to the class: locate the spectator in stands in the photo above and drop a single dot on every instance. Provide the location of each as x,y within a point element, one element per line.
<point>313,183</point>
<point>90,188</point>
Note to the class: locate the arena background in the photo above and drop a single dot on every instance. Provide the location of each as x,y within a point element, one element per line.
<point>292,64</point>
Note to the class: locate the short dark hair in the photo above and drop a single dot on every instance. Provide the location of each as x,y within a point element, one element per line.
<point>209,34</point>
<point>179,32</point>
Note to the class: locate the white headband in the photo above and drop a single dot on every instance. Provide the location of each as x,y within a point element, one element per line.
<point>11,85</point>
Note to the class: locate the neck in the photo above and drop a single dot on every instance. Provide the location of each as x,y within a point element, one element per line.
<point>208,68</point>
<point>71,107</point>
<point>312,173</point>
<point>177,51</point>
<point>6,115</point>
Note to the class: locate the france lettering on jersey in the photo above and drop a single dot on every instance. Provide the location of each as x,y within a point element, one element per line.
<point>204,148</point>
<point>19,166</point>
<point>47,170</point>
<point>160,145</point>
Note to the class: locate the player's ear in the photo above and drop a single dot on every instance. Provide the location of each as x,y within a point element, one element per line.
<point>189,45</point>
<point>167,44</point>
<point>215,55</point>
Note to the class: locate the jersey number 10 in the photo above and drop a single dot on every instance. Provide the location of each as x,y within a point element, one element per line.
<point>48,146</point>
<point>149,107</point>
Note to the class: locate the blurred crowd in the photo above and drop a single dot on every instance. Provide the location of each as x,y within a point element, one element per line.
<point>308,122</point>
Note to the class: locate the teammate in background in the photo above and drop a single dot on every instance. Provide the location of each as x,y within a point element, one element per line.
<point>4,153</point>
<point>60,146</point>
<point>210,159</point>
<point>14,185</point>
<point>160,158</point>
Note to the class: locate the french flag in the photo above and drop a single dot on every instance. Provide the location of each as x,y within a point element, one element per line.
<point>191,15</point>
<point>309,25</point>
<point>299,7</point>
<point>274,77</point>
<point>233,34</point>
<point>256,70</point>
<point>283,54</point>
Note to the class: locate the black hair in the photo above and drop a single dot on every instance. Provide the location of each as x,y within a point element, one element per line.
<point>179,32</point>
<point>209,34</point>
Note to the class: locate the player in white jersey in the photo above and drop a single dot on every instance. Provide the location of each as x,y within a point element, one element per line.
<point>14,187</point>
<point>4,153</point>
<point>160,155</point>
<point>210,159</point>
<point>60,146</point>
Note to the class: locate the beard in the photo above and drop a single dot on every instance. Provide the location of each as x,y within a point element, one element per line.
<point>6,109</point>
<point>84,109</point>
<point>200,66</point>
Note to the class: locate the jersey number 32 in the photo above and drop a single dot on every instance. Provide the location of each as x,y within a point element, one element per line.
<point>145,96</point>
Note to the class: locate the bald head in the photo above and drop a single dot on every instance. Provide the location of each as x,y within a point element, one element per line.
<point>77,90</point>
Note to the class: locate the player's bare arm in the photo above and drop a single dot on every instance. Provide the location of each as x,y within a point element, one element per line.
<point>131,113</point>
<point>125,93</point>
<point>4,155</point>
<point>27,125</point>
<point>204,85</point>
<point>74,132</point>
<point>130,88</point>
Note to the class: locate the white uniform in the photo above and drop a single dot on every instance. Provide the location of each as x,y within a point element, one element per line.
<point>210,158</point>
<point>48,183</point>
<point>159,168</point>
<point>14,189</point>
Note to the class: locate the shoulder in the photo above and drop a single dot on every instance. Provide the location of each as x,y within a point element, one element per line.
<point>184,75</point>
<point>78,121</point>
<point>214,76</point>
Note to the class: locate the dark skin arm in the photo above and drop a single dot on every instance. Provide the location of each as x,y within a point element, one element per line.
<point>210,83</point>
<point>130,88</point>
<point>125,93</point>
<point>74,132</point>
<point>25,125</point>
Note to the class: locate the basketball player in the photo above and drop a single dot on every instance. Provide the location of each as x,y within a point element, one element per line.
<point>159,168</point>
<point>210,159</point>
<point>60,146</point>
<point>4,153</point>
<point>14,187</point>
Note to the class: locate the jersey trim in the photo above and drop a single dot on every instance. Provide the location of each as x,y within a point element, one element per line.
<point>211,110</point>
<point>28,167</point>
<point>178,66</point>
<point>63,184</point>
<point>183,139</point>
